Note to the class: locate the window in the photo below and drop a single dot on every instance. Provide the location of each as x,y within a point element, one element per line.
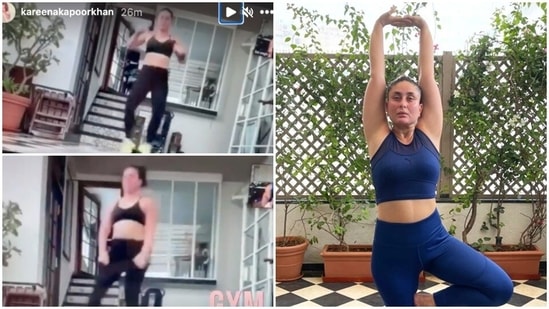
<point>185,237</point>
<point>196,82</point>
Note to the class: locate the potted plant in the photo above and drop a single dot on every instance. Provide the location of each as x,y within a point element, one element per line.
<point>290,251</point>
<point>29,52</point>
<point>503,141</point>
<point>10,226</point>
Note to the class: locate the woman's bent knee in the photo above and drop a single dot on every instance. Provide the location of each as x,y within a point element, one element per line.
<point>502,292</point>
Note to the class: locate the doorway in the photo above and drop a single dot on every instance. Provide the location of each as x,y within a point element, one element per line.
<point>85,67</point>
<point>93,198</point>
<point>121,71</point>
<point>54,213</point>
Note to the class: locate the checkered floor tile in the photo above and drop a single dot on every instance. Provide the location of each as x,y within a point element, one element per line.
<point>26,143</point>
<point>311,292</point>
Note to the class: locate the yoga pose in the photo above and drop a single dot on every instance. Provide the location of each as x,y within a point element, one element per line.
<point>409,235</point>
<point>153,77</point>
<point>132,222</point>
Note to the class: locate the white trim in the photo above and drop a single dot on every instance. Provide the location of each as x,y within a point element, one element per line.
<point>217,231</point>
<point>185,176</point>
<point>242,243</point>
<point>193,247</point>
<point>240,102</point>
<point>223,73</point>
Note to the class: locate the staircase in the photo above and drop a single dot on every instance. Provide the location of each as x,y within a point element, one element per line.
<point>104,123</point>
<point>81,287</point>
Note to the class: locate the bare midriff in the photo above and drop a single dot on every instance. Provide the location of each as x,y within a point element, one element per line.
<point>156,60</point>
<point>128,229</point>
<point>406,211</point>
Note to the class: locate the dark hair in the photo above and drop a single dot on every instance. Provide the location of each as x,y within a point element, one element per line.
<point>166,10</point>
<point>402,78</point>
<point>141,173</point>
<point>151,28</point>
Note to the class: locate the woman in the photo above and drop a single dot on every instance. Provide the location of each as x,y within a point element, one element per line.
<point>409,235</point>
<point>132,222</point>
<point>153,77</point>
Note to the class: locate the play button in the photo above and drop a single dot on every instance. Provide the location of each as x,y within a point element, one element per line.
<point>230,13</point>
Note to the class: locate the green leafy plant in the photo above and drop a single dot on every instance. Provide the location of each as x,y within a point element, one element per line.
<point>325,92</point>
<point>288,241</point>
<point>11,223</point>
<point>32,38</point>
<point>499,112</point>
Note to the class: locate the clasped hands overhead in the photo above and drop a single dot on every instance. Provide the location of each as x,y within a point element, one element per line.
<point>388,18</point>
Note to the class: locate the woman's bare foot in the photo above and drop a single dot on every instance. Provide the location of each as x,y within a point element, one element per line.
<point>423,299</point>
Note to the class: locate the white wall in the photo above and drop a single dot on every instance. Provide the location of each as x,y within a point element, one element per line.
<point>514,221</point>
<point>23,175</point>
<point>63,75</point>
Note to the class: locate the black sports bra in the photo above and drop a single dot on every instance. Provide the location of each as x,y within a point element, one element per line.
<point>133,213</point>
<point>165,48</point>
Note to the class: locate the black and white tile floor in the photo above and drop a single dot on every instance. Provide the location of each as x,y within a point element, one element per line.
<point>311,292</point>
<point>26,143</point>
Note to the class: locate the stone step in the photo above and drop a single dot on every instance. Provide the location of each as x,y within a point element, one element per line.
<point>103,131</point>
<point>110,103</point>
<point>83,300</point>
<point>111,96</point>
<point>105,121</point>
<point>88,281</point>
<point>77,289</point>
<point>96,109</point>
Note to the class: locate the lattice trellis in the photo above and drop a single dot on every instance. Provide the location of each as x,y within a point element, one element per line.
<point>300,118</point>
<point>533,119</point>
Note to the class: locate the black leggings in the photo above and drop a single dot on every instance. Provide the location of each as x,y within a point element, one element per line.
<point>121,254</point>
<point>155,80</point>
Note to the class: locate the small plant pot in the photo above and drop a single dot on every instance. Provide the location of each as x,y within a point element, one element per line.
<point>354,265</point>
<point>13,110</point>
<point>289,258</point>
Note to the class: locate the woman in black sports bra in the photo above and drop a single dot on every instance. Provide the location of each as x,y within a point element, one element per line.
<point>132,223</point>
<point>153,76</point>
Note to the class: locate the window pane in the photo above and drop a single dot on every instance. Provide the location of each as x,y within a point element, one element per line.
<point>206,205</point>
<point>162,194</point>
<point>183,203</point>
<point>182,228</point>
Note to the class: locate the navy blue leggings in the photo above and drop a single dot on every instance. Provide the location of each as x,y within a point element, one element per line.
<point>402,250</point>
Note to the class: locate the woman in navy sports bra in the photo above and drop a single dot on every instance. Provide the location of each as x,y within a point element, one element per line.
<point>153,76</point>
<point>132,223</point>
<point>409,235</point>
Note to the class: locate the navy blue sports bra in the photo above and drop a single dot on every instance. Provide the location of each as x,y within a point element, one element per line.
<point>133,213</point>
<point>405,172</point>
<point>165,48</point>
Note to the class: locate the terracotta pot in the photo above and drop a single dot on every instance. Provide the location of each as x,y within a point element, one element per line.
<point>354,265</point>
<point>13,109</point>
<point>519,265</point>
<point>289,260</point>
